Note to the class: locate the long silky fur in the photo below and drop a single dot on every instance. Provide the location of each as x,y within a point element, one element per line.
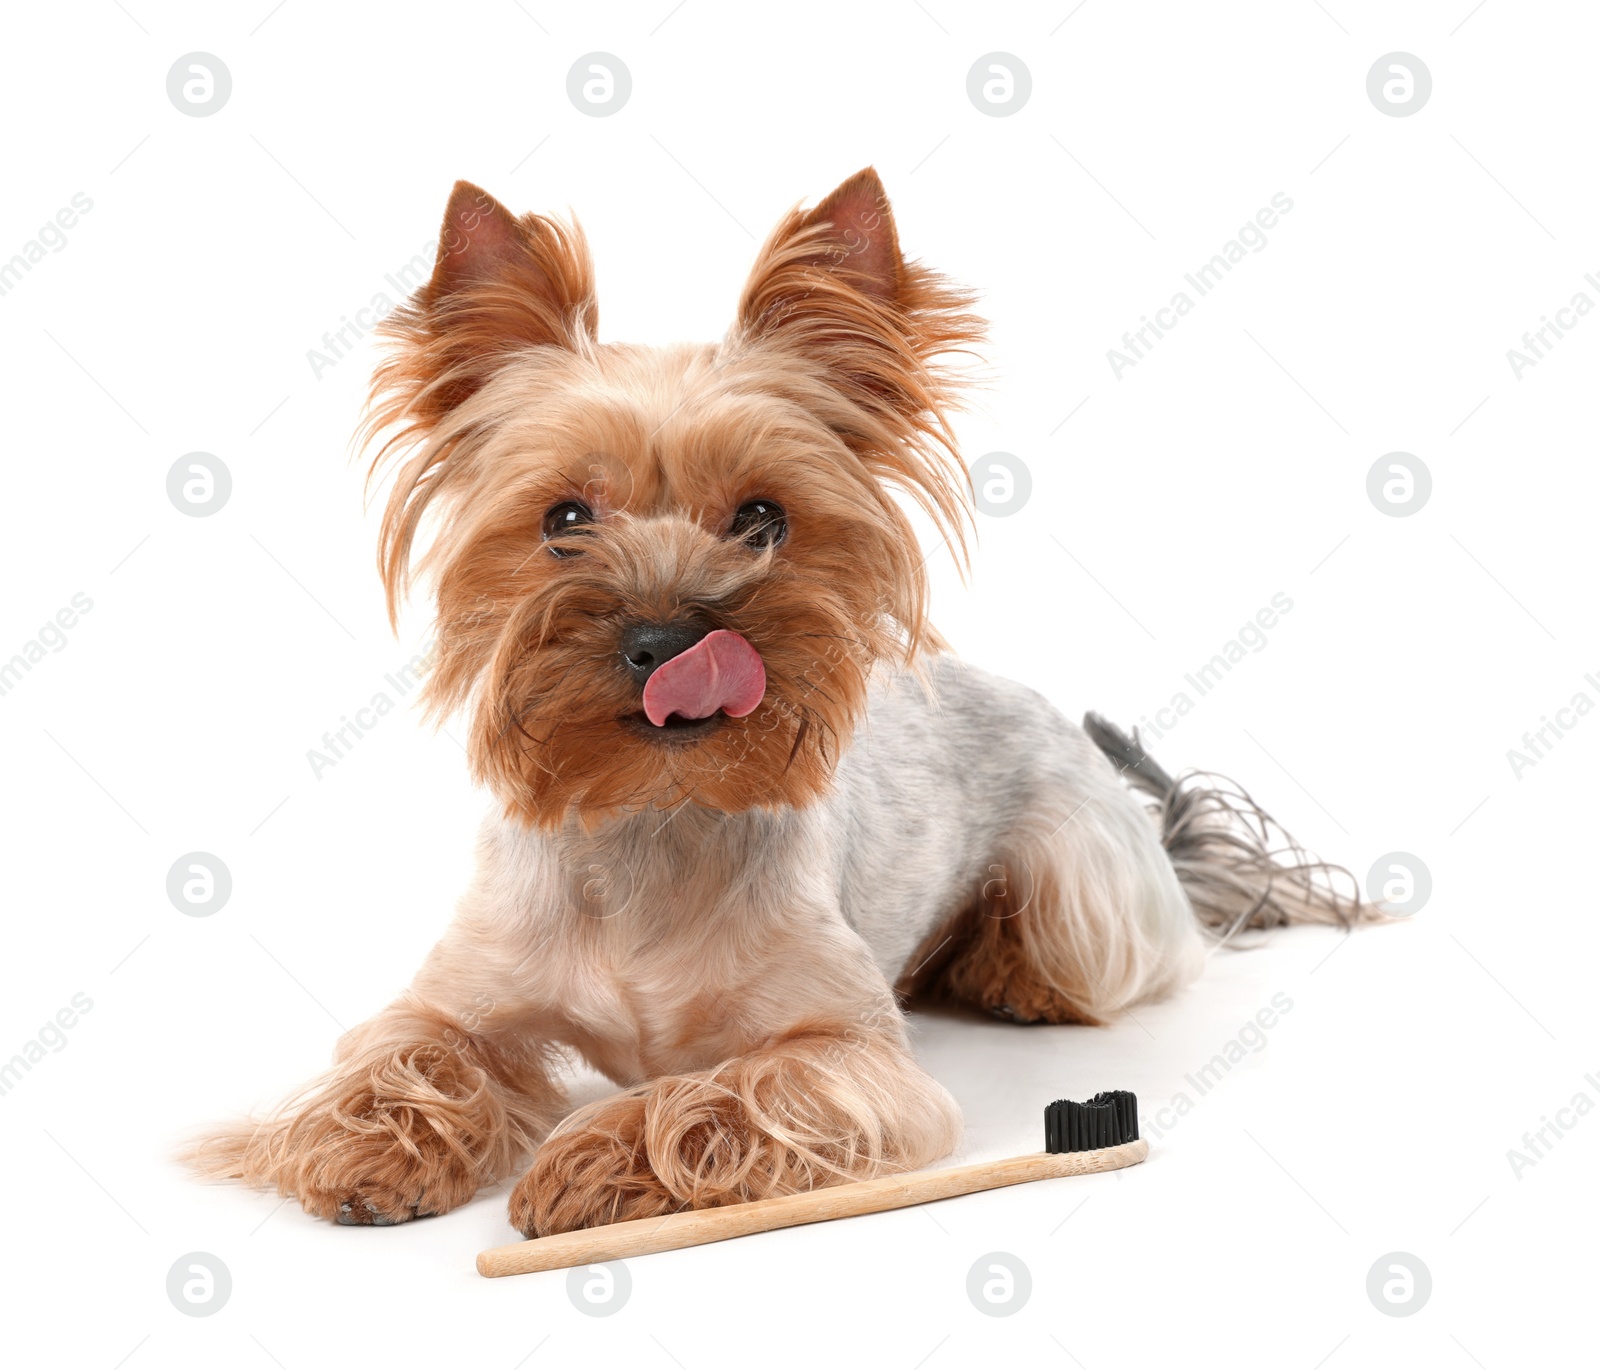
<point>1239,867</point>
<point>801,1114</point>
<point>834,383</point>
<point>426,1111</point>
<point>676,915</point>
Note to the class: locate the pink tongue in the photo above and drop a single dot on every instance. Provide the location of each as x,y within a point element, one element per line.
<point>721,671</point>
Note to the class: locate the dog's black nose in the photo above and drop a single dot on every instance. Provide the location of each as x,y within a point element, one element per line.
<point>644,646</point>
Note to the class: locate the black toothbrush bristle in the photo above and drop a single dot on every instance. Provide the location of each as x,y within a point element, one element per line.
<point>1109,1119</point>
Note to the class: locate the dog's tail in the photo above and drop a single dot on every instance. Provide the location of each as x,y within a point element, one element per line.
<point>1238,866</point>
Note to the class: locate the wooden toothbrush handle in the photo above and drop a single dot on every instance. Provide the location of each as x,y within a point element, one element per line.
<point>695,1227</point>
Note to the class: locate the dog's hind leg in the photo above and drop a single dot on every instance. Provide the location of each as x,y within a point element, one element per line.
<point>1096,903</point>
<point>1078,916</point>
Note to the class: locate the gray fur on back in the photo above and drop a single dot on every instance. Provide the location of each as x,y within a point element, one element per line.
<point>938,784</point>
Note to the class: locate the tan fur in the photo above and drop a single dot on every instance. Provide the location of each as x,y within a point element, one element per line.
<point>1051,937</point>
<point>826,391</point>
<point>815,1108</point>
<point>415,1116</point>
<point>995,955</point>
<point>674,912</point>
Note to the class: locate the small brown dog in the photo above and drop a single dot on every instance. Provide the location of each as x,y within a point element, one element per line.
<point>745,801</point>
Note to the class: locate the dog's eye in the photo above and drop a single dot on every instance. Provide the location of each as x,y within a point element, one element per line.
<point>570,516</point>
<point>760,523</point>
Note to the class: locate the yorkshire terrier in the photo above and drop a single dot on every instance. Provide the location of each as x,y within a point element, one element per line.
<point>747,805</point>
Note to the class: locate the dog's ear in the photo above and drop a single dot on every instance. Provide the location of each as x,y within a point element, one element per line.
<point>859,243</point>
<point>840,263</point>
<point>500,284</point>
<point>831,287</point>
<point>817,259</point>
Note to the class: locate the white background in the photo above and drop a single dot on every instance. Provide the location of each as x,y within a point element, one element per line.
<point>1227,466</point>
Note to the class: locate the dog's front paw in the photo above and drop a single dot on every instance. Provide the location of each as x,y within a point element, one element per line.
<point>594,1173</point>
<point>373,1165</point>
<point>394,1135</point>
